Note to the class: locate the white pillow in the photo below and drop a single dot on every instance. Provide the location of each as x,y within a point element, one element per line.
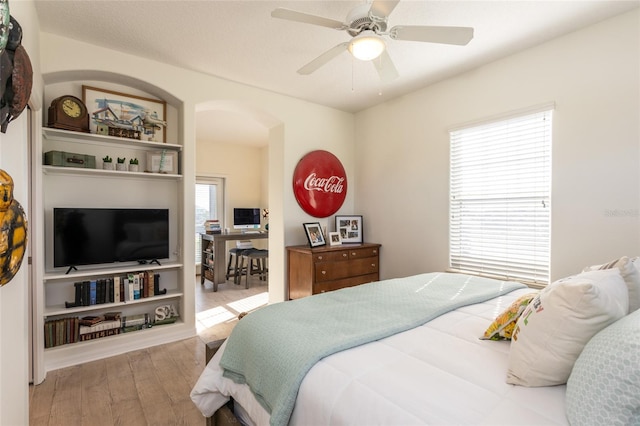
<point>629,269</point>
<point>553,329</point>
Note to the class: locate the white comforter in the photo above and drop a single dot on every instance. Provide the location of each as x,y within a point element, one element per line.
<point>439,373</point>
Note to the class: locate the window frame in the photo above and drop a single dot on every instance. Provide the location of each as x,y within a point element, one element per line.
<point>220,209</point>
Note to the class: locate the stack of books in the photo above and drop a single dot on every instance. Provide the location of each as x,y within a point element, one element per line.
<point>94,327</point>
<point>212,227</point>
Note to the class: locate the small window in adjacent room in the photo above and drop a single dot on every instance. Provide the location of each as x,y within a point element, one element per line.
<point>500,187</point>
<point>209,205</point>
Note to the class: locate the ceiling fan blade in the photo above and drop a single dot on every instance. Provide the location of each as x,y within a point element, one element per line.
<point>445,35</point>
<point>383,8</point>
<point>385,67</point>
<point>323,59</point>
<point>292,15</point>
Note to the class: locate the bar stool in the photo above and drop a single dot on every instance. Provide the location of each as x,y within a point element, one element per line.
<point>235,270</point>
<point>257,263</point>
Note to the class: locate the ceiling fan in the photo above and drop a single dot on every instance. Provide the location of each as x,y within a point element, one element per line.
<point>367,24</point>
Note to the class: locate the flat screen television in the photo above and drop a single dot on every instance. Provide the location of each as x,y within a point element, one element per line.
<point>244,218</point>
<point>92,236</point>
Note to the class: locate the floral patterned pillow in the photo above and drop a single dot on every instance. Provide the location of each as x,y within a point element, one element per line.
<point>502,327</point>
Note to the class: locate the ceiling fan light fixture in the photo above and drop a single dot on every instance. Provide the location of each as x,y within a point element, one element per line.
<point>366,46</point>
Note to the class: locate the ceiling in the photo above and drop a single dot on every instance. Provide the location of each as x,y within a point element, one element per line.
<point>239,40</point>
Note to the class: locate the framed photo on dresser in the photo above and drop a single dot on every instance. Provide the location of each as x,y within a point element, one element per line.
<point>334,239</point>
<point>314,234</point>
<point>350,228</point>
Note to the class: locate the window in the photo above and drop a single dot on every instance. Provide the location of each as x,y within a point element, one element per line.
<point>209,205</point>
<point>500,198</point>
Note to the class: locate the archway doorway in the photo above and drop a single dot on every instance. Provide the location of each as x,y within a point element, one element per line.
<point>236,143</point>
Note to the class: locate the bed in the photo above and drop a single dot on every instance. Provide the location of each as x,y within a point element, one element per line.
<point>437,367</point>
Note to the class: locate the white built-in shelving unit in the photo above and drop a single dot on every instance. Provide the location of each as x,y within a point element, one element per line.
<point>79,187</point>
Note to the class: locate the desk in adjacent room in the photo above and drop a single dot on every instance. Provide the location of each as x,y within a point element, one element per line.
<point>220,250</point>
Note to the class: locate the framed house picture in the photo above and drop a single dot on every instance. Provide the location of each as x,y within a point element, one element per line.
<point>314,234</point>
<point>334,239</point>
<point>350,228</point>
<point>129,116</point>
<point>164,161</point>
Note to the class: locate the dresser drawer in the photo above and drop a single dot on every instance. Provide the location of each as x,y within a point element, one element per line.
<point>322,287</point>
<point>356,253</point>
<point>332,256</point>
<point>329,271</point>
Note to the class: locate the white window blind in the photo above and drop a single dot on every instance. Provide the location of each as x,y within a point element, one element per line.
<point>500,198</point>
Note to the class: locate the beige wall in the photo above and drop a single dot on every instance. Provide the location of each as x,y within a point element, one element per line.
<point>242,169</point>
<point>592,75</point>
<point>245,170</point>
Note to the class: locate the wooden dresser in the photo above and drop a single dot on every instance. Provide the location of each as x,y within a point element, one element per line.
<point>316,270</point>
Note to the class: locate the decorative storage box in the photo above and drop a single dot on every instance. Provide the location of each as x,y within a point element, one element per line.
<point>69,159</point>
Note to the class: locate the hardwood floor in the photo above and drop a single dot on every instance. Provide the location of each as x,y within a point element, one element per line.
<point>149,386</point>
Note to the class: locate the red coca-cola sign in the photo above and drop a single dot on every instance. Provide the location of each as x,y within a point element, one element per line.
<point>320,183</point>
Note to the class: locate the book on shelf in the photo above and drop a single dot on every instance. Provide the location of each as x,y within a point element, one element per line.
<point>110,289</point>
<point>116,289</point>
<point>93,292</point>
<point>136,286</point>
<point>138,319</point>
<point>90,320</point>
<point>149,283</point>
<point>134,279</point>
<point>112,315</point>
<point>86,293</point>
<point>122,289</point>
<point>128,289</point>
<point>143,284</point>
<point>99,334</point>
<point>103,325</point>
<point>79,294</point>
<point>99,291</point>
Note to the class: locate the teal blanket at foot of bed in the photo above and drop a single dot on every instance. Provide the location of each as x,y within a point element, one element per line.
<point>273,348</point>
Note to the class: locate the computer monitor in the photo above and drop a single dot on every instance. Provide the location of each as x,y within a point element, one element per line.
<point>246,218</point>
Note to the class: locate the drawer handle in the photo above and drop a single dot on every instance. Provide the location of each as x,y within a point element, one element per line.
<point>344,255</point>
<point>375,251</point>
<point>319,257</point>
<point>373,265</point>
<point>353,253</point>
<point>323,272</point>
